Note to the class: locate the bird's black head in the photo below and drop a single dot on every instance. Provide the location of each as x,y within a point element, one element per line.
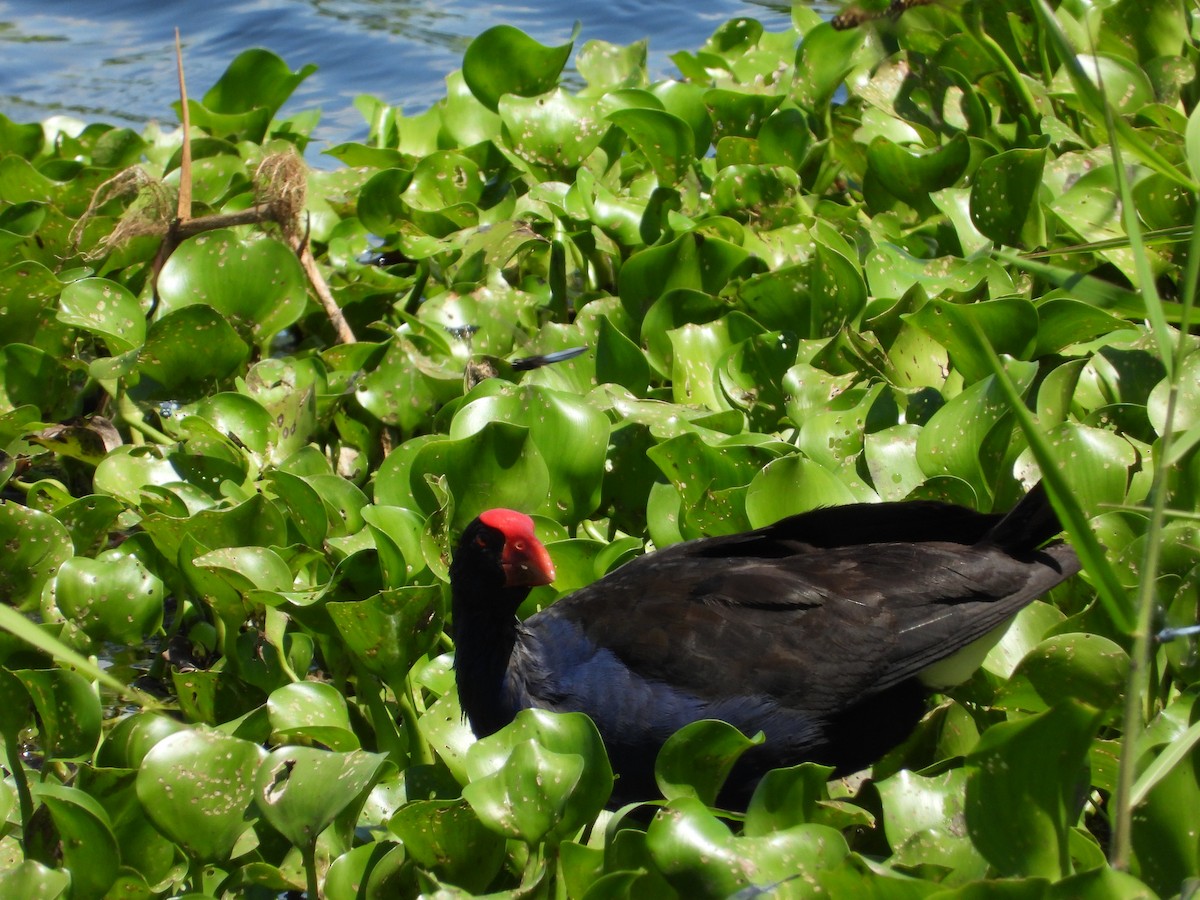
<point>499,550</point>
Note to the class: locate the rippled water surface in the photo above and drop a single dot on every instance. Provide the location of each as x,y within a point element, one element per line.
<point>113,61</point>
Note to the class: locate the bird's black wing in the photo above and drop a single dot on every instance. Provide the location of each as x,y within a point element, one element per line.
<point>813,629</point>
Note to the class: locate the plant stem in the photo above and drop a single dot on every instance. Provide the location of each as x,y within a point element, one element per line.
<point>128,413</point>
<point>386,735</point>
<point>309,853</point>
<point>1139,686</point>
<point>12,748</point>
<point>418,750</point>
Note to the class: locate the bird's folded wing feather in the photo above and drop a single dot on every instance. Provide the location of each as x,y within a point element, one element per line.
<point>813,630</point>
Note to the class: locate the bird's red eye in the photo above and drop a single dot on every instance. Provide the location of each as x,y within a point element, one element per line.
<point>519,546</point>
<point>480,542</point>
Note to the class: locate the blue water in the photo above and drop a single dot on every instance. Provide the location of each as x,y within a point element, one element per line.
<point>113,60</point>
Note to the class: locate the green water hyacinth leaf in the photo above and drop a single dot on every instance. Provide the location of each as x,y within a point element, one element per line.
<point>447,838</point>
<point>32,879</point>
<point>1123,82</point>
<point>891,456</point>
<point>542,777</point>
<point>85,837</point>
<point>696,355</point>
<point>196,786</point>
<point>496,466</point>
<point>398,533</point>
<point>791,485</point>
<point>612,66</point>
<point>191,346</point>
<point>387,632</point>
<point>555,131</point>
<point>36,544</point>
<point>29,376</point>
<point>111,598</point>
<point>68,712</point>
<point>30,289</point>
<point>824,59</point>
<point>1084,667</point>
<point>799,795</point>
<point>301,790</point>
<point>926,824</point>
<point>1011,325</point>
<point>914,176</point>
<point>763,193</point>
<point>737,114</point>
<point>689,261</point>
<point>505,60</point>
<point>19,222</point>
<point>1096,464</point>
<point>257,284</point>
<point>1004,197</point>
<point>246,97</point>
<point>955,440</point>
<point>127,744</point>
<point>239,416</point>
<point>701,858</point>
<point>696,760</point>
<point>311,712</point>
<point>892,272</point>
<point>106,309</point>
<point>667,140</point>
<point>19,139</point>
<point>1022,787</point>
<point>247,568</point>
<point>380,207</point>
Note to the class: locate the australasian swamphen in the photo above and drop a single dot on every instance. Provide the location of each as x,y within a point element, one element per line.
<point>815,630</point>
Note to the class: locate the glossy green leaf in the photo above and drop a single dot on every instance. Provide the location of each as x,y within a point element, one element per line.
<point>540,778</point>
<point>301,790</point>
<point>88,846</point>
<point>68,712</point>
<point>126,745</point>
<point>311,711</point>
<point>792,485</point>
<point>824,59</point>
<point>30,878</point>
<point>799,795</point>
<point>1004,196</point>
<point>196,786</point>
<point>106,309</point>
<point>701,858</point>
<point>387,632</point>
<point>504,60</point>
<point>555,131</point>
<point>1021,789</point>
<point>926,824</point>
<point>36,544</point>
<point>255,79</point>
<point>257,285</point>
<point>190,345</point>
<point>447,838</point>
<point>111,598</point>
<point>695,761</point>
<point>914,176</point>
<point>1011,326</point>
<point>667,141</point>
<point>953,441</point>
<point>1083,667</point>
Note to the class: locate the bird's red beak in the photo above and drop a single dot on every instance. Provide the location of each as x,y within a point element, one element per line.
<point>526,562</point>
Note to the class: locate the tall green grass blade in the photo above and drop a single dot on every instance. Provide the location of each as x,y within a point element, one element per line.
<point>19,626</point>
